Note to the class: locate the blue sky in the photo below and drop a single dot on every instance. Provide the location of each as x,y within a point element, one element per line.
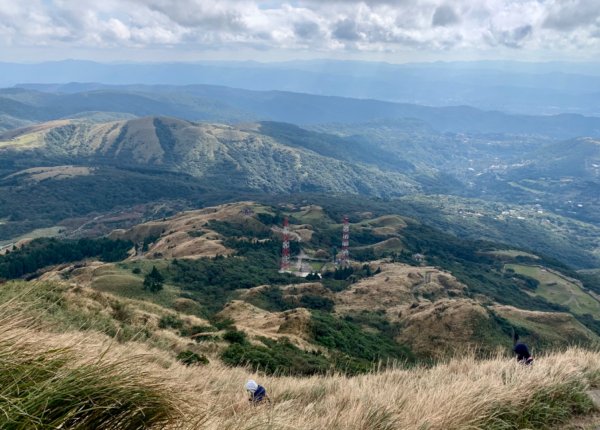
<point>383,30</point>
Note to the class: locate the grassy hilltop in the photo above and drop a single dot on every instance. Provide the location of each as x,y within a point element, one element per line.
<point>415,333</point>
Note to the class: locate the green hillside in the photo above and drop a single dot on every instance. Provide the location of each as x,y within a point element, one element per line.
<point>221,264</point>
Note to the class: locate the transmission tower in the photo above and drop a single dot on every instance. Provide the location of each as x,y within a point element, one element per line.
<point>344,255</point>
<point>285,248</point>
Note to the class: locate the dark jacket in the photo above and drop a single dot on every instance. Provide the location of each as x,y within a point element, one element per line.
<point>259,395</point>
<point>522,352</point>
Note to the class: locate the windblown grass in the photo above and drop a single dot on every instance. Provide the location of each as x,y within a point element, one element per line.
<point>462,394</point>
<point>43,386</point>
<point>81,380</point>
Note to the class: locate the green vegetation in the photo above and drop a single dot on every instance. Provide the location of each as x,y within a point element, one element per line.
<point>32,205</point>
<point>548,408</point>
<point>47,387</point>
<point>153,281</point>
<point>558,289</point>
<point>375,320</point>
<point>276,357</point>
<point>45,301</point>
<point>350,350</point>
<point>212,281</point>
<point>272,299</point>
<point>40,253</point>
<point>170,321</point>
<point>235,336</point>
<point>347,337</point>
<point>190,358</point>
<point>246,228</point>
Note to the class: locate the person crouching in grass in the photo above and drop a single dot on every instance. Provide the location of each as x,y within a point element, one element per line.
<point>256,393</point>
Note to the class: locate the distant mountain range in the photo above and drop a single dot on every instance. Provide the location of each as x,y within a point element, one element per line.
<point>211,103</point>
<point>539,88</point>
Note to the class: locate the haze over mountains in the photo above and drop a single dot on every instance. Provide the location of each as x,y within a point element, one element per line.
<point>288,191</point>
<point>84,158</point>
<point>209,103</point>
<point>530,88</point>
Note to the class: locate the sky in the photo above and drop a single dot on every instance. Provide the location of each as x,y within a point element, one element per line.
<point>379,30</point>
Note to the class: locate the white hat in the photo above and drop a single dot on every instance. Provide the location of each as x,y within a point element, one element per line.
<point>251,386</point>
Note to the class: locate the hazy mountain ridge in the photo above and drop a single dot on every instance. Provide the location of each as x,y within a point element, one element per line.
<point>214,103</point>
<point>220,154</point>
<point>384,158</point>
<point>513,86</point>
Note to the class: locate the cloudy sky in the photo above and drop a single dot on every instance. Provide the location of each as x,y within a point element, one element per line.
<point>390,30</point>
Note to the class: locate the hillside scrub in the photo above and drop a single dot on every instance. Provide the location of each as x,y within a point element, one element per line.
<point>44,252</point>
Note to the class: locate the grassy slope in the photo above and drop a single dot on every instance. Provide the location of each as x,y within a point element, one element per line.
<point>463,393</point>
<point>53,381</point>
<point>559,290</point>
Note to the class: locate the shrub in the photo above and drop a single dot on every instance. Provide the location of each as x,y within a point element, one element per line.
<point>121,312</point>
<point>43,252</point>
<point>348,338</point>
<point>170,321</point>
<point>311,301</point>
<point>280,357</point>
<point>190,358</point>
<point>223,324</point>
<point>153,281</point>
<point>235,336</point>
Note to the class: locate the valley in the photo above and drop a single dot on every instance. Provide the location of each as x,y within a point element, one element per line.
<point>148,219</point>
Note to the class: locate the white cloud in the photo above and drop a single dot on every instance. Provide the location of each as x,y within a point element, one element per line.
<point>335,26</point>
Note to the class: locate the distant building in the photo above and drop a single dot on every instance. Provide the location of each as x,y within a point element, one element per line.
<point>419,258</point>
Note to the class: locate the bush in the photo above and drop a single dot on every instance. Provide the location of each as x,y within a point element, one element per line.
<point>215,280</point>
<point>277,357</point>
<point>153,281</point>
<point>40,253</point>
<point>311,301</point>
<point>223,324</point>
<point>170,321</point>
<point>190,358</point>
<point>235,336</point>
<point>348,338</point>
<point>313,277</point>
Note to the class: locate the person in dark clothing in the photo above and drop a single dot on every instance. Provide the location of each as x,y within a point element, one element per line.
<point>521,350</point>
<point>257,393</point>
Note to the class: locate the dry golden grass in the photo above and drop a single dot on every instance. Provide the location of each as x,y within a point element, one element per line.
<point>463,393</point>
<point>38,174</point>
<point>186,235</point>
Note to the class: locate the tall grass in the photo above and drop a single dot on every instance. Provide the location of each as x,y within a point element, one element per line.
<point>464,393</point>
<point>73,380</point>
<point>46,387</point>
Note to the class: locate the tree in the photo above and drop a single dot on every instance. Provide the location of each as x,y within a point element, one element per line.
<point>153,281</point>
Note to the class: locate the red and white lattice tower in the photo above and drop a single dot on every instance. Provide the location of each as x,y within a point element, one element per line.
<point>285,248</point>
<point>344,255</point>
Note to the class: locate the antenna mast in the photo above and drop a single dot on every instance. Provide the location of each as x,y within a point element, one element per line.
<point>344,256</point>
<point>285,248</point>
